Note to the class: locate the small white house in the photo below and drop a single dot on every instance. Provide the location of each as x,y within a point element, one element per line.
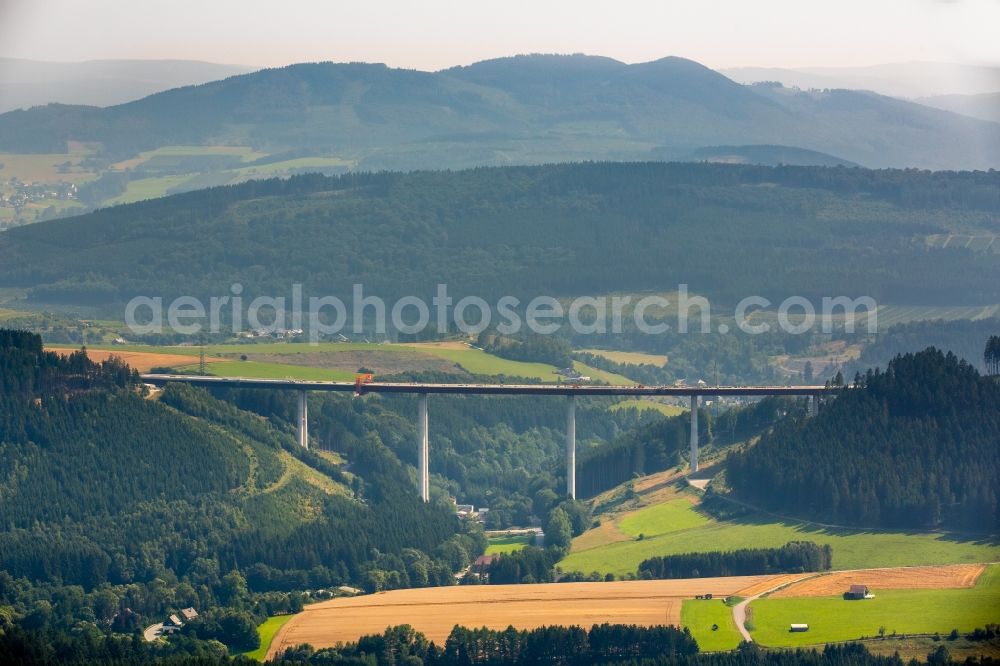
<point>799,627</point>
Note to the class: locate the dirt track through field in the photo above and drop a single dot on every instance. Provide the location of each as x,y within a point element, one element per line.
<point>435,611</point>
<point>948,576</point>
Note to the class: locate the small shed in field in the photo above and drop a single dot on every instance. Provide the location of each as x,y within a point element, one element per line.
<point>799,627</point>
<point>859,592</point>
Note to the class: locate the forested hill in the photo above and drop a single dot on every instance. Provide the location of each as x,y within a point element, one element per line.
<point>916,445</point>
<point>184,500</point>
<point>728,231</point>
<point>527,109</point>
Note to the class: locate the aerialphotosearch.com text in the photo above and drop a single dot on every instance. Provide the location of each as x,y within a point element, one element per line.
<point>321,317</point>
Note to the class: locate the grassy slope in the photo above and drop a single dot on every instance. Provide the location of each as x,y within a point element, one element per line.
<point>852,549</point>
<point>903,611</point>
<point>671,516</point>
<point>699,615</point>
<point>267,631</point>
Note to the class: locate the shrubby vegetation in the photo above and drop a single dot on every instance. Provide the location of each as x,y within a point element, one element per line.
<point>911,446</point>
<point>793,557</point>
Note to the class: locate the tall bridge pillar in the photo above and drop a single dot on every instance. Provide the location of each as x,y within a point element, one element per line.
<point>694,433</point>
<point>571,447</point>
<point>813,405</point>
<point>422,449</point>
<point>303,429</point>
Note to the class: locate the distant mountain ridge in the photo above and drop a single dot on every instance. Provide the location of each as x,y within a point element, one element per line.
<point>903,79</point>
<point>27,83</point>
<point>518,110</point>
<point>985,106</point>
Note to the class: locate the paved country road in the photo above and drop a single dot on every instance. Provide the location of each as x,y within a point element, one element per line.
<point>740,610</point>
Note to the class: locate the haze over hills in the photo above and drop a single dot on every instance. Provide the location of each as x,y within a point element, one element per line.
<point>525,109</point>
<point>985,106</point>
<point>27,83</point>
<point>905,79</point>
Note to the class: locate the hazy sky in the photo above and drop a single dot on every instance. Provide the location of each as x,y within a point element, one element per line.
<point>433,34</point>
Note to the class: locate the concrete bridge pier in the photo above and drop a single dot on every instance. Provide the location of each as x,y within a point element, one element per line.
<point>422,449</point>
<point>694,433</point>
<point>571,447</point>
<point>813,405</point>
<point>303,429</point>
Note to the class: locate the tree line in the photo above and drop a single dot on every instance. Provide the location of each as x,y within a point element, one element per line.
<point>793,557</point>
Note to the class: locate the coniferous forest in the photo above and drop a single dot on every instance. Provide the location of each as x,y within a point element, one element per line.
<point>913,445</point>
<point>561,230</point>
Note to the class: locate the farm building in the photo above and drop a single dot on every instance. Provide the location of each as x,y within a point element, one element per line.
<point>799,627</point>
<point>859,592</point>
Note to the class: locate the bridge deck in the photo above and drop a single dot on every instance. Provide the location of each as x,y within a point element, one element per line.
<point>485,389</point>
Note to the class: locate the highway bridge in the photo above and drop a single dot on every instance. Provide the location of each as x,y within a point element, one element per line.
<point>422,390</point>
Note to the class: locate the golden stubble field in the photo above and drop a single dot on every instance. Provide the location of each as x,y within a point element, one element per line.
<point>435,611</point>
<point>141,361</point>
<point>943,577</point>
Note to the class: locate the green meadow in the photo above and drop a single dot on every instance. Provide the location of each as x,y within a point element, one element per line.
<point>260,370</point>
<point>508,544</point>
<point>267,631</point>
<point>700,615</point>
<point>672,516</point>
<point>673,528</point>
<point>833,619</point>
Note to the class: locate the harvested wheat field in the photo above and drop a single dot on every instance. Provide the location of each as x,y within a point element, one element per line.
<point>434,611</point>
<point>942,577</point>
<point>141,361</point>
<point>773,582</point>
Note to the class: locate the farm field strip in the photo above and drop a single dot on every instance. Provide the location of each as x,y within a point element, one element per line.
<point>473,360</point>
<point>434,611</point>
<point>899,578</point>
<point>141,361</point>
<point>833,619</point>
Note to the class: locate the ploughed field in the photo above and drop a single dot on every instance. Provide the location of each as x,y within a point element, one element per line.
<point>435,611</point>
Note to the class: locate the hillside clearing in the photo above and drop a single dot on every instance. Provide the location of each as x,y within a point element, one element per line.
<point>852,548</point>
<point>508,544</point>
